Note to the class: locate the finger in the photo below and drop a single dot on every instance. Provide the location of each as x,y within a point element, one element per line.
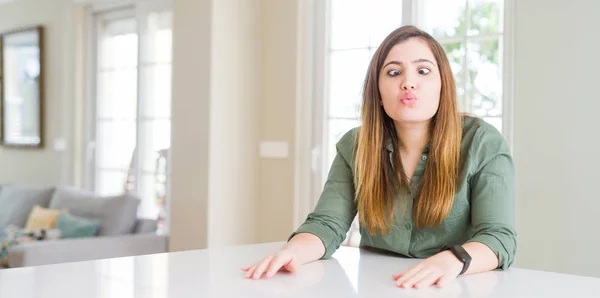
<point>407,274</point>
<point>275,265</point>
<point>246,268</point>
<point>445,280</point>
<point>291,266</point>
<point>403,273</point>
<point>417,277</point>
<point>429,279</point>
<point>260,269</point>
<point>250,271</point>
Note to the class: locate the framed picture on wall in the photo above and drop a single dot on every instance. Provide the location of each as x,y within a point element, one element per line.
<point>21,87</point>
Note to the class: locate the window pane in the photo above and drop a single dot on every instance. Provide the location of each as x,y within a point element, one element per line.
<point>485,78</point>
<point>156,90</point>
<point>109,183</point>
<point>118,26</point>
<point>337,129</point>
<point>348,20</point>
<point>155,136</point>
<point>118,52</point>
<point>456,56</point>
<point>115,142</point>
<point>485,16</point>
<point>347,71</point>
<point>149,193</point>
<point>443,18</point>
<point>495,121</point>
<point>118,43</point>
<point>385,16</point>
<point>378,19</point>
<point>117,94</point>
<point>159,34</point>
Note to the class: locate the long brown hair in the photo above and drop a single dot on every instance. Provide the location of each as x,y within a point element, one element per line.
<point>378,176</point>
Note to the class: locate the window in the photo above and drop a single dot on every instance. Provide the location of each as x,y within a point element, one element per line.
<point>130,135</point>
<point>350,48</point>
<point>471,32</point>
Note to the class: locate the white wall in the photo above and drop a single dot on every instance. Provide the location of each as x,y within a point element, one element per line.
<point>556,135</point>
<point>190,119</point>
<point>58,18</point>
<point>251,96</point>
<point>234,122</point>
<point>278,114</point>
<point>216,116</point>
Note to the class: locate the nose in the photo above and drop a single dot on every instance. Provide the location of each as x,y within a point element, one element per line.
<point>409,81</point>
<point>407,86</point>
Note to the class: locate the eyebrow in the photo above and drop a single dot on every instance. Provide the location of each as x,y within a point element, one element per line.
<point>414,61</point>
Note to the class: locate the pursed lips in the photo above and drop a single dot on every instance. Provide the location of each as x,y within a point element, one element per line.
<point>408,98</point>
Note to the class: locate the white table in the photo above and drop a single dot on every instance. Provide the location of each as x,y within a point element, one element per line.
<point>216,273</point>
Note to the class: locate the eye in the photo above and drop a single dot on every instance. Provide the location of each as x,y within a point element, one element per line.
<point>424,70</point>
<point>393,72</point>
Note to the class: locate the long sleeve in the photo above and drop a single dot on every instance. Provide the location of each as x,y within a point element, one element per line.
<point>336,207</point>
<point>492,197</point>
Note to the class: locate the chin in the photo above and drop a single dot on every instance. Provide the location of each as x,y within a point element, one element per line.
<point>414,118</point>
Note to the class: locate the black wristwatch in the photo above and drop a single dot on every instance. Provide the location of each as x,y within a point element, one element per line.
<point>461,254</point>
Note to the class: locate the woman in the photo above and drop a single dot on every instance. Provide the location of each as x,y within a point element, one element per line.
<point>426,181</point>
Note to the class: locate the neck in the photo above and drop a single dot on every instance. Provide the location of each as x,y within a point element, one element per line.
<point>413,136</point>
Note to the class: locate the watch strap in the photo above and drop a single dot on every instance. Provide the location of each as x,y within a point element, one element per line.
<point>461,254</point>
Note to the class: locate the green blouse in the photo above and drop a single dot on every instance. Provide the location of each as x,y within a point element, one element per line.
<point>483,208</point>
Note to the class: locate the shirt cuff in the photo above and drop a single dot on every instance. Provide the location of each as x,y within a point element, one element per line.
<point>505,255</point>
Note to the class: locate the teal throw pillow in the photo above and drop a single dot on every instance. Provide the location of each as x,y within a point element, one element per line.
<point>72,226</point>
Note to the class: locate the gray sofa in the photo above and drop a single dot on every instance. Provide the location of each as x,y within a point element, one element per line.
<point>120,233</point>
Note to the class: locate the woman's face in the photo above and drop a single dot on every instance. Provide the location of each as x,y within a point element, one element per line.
<point>410,82</point>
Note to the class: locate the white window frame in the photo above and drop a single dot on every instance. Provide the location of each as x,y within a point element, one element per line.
<point>126,8</point>
<point>311,123</point>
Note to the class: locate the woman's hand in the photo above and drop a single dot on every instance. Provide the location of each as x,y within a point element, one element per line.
<point>439,270</point>
<point>301,249</point>
<point>282,260</point>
